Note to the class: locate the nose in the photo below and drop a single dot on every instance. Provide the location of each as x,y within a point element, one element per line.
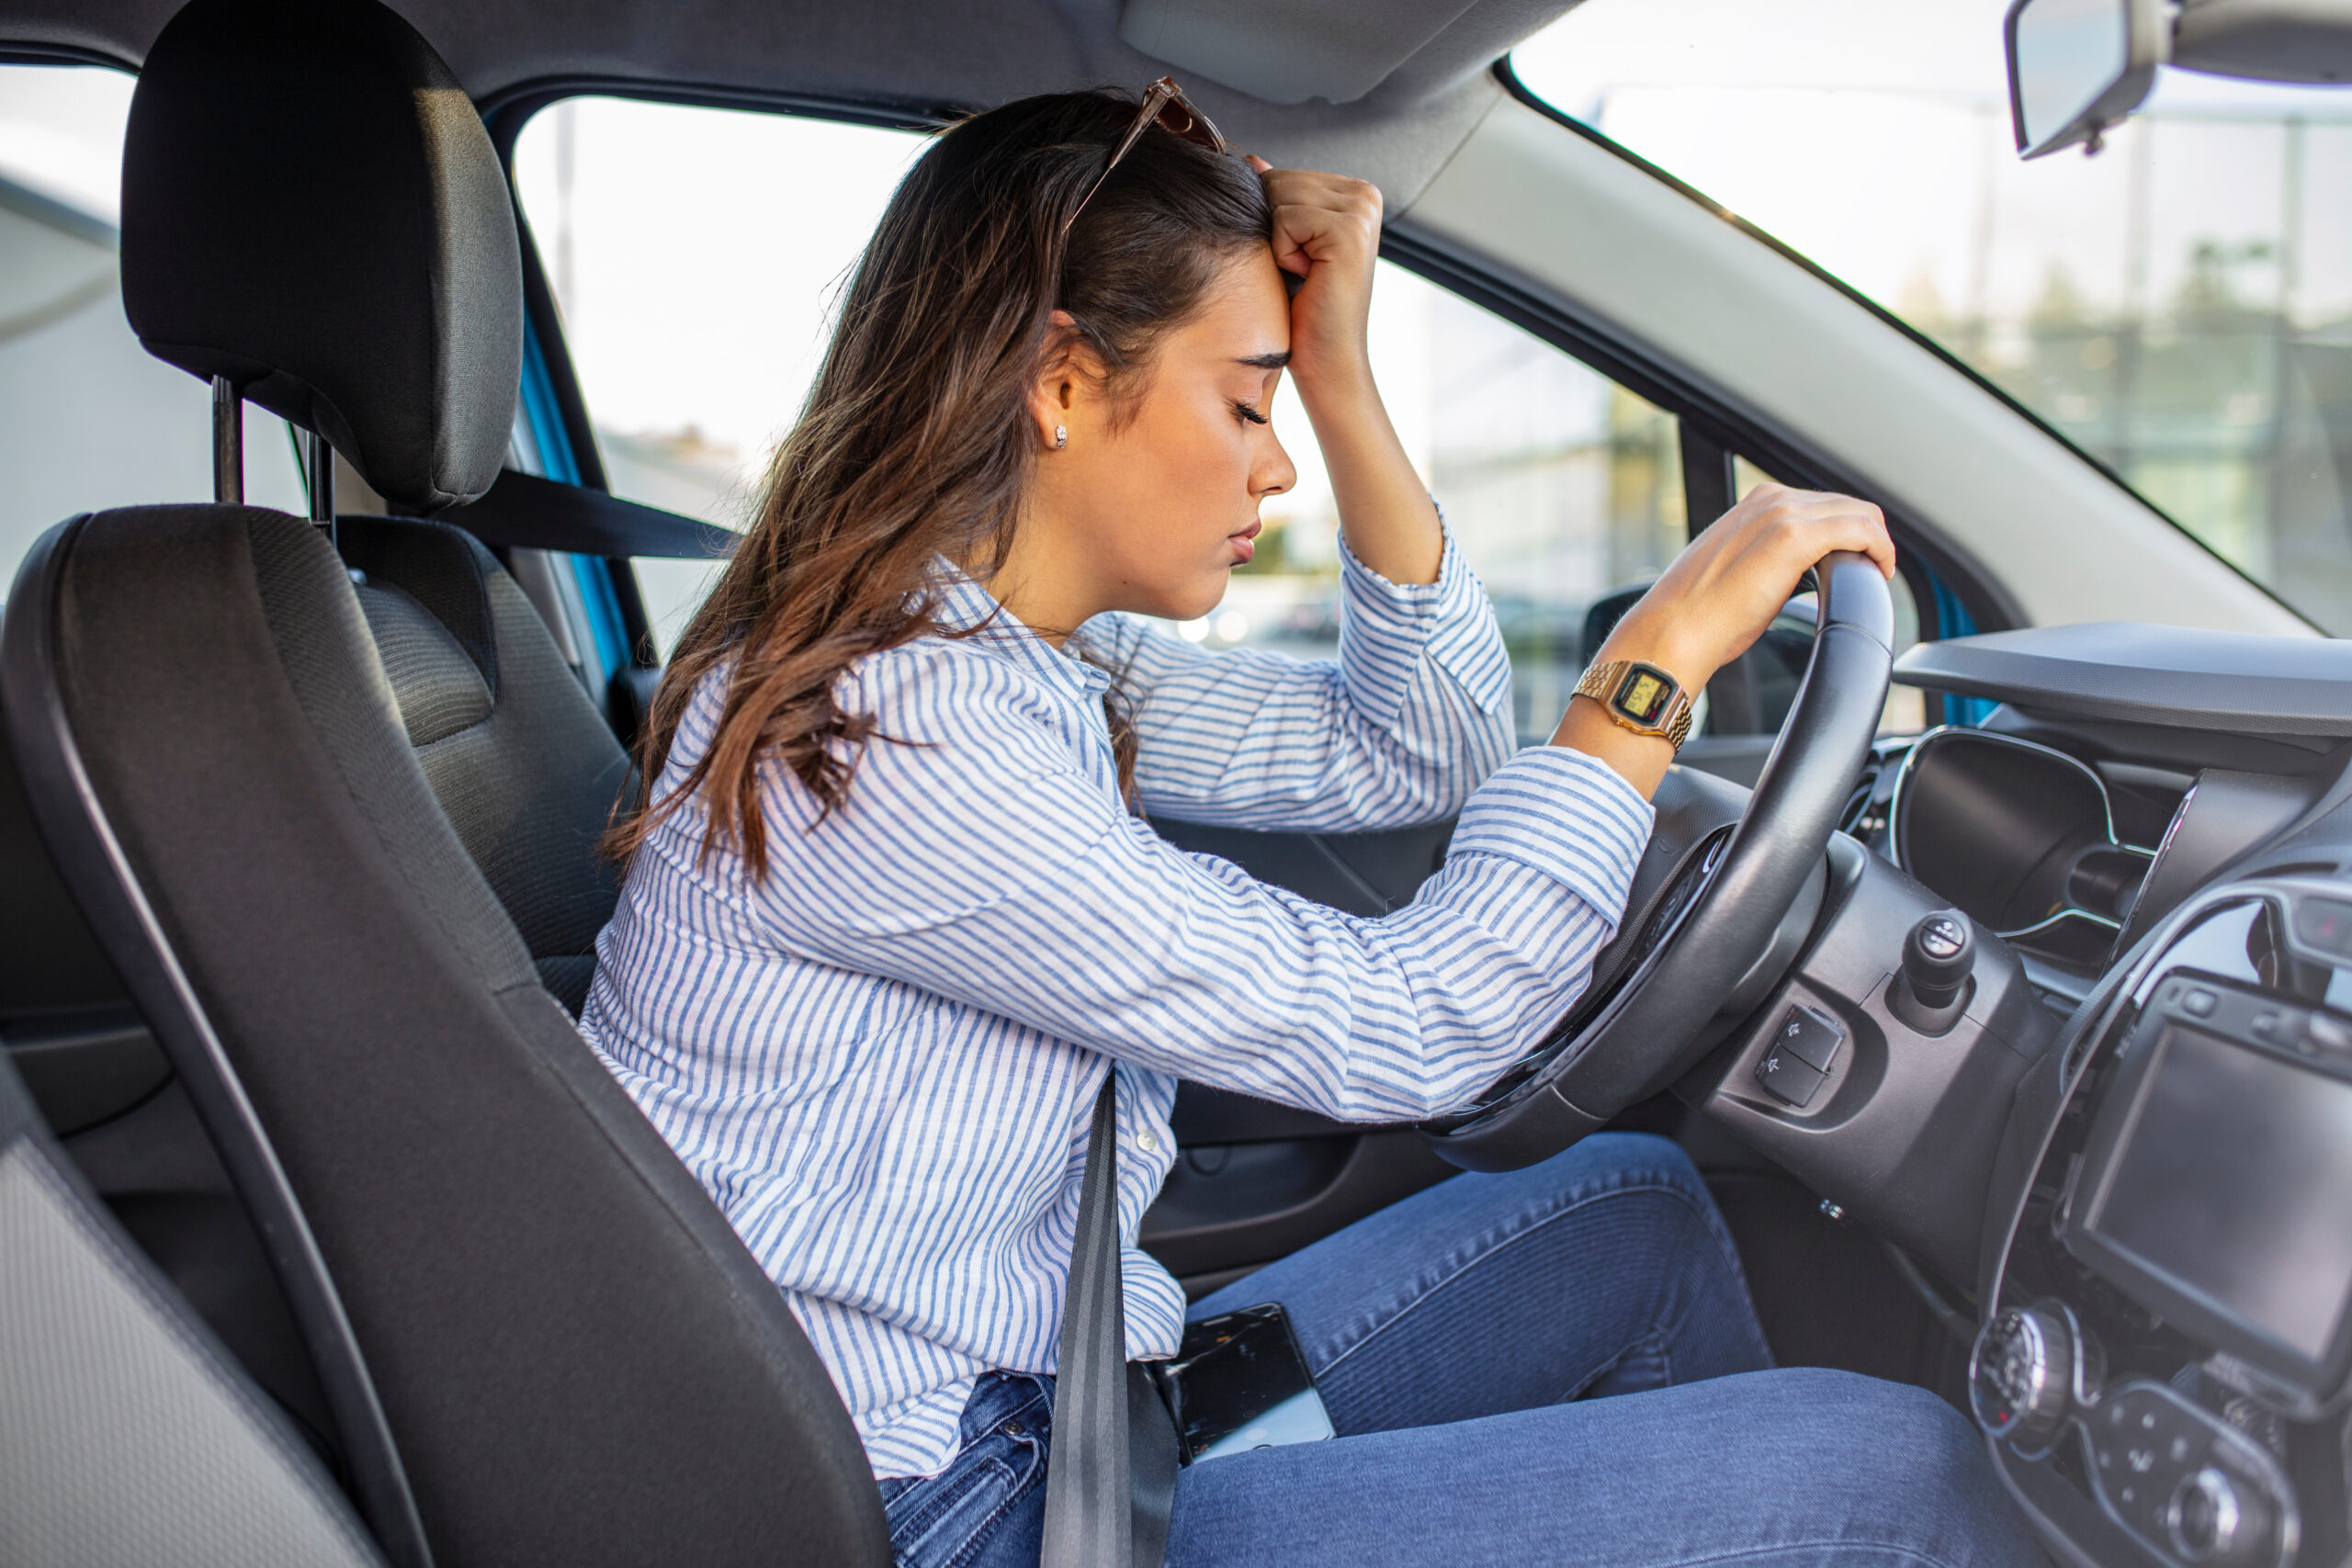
<point>1273,472</point>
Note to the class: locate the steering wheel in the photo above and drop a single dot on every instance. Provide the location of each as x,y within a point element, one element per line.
<point>1722,900</point>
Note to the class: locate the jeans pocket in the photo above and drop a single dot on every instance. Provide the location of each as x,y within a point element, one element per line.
<point>943,1522</point>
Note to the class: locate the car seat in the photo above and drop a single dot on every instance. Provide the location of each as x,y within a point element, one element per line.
<point>538,1337</point>
<point>525,769</point>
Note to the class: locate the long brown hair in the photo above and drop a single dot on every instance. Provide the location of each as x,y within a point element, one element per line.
<point>916,443</point>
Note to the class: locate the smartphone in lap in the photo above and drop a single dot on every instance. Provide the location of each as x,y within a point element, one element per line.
<point>1240,1382</point>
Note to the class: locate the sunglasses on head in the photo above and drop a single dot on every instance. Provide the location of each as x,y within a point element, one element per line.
<point>1165,103</point>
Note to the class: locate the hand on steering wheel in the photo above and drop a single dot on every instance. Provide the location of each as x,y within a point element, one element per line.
<point>1715,600</point>
<point>1716,911</point>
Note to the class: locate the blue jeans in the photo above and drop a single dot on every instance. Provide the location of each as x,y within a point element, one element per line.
<point>1463,1339</point>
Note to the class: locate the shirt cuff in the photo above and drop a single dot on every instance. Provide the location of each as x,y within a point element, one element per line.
<point>1387,628</point>
<point>1571,817</point>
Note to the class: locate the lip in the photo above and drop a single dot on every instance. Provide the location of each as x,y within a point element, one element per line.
<point>1245,547</point>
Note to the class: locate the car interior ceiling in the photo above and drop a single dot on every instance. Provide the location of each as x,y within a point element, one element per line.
<point>336,892</point>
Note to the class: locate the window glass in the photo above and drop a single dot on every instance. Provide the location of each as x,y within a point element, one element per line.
<point>695,256</point>
<point>2180,306</point>
<point>87,419</point>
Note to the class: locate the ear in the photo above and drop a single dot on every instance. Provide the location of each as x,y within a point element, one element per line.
<point>1068,380</point>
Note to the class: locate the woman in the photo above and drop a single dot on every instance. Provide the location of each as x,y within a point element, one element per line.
<point>891,913</point>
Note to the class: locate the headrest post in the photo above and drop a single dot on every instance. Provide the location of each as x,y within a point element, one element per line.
<point>318,459</point>
<point>228,443</point>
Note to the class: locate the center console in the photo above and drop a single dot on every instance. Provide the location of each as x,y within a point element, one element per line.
<point>2163,1376</point>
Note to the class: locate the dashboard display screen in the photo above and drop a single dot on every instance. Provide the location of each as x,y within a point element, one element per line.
<point>2235,1179</point>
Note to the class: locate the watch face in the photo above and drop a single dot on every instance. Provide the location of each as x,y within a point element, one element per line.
<point>1644,694</point>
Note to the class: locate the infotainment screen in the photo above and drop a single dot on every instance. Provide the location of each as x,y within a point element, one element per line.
<point>2233,1178</point>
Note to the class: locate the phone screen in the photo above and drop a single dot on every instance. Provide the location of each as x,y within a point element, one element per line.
<point>1239,1383</point>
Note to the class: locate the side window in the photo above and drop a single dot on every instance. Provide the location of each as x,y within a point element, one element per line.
<point>87,418</point>
<point>695,254</point>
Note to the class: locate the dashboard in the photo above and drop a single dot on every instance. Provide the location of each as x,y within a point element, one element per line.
<point>2156,826</point>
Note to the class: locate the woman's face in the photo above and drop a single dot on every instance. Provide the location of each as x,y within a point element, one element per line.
<point>1150,506</point>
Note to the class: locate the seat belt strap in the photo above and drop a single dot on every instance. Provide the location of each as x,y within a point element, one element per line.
<point>1111,1472</point>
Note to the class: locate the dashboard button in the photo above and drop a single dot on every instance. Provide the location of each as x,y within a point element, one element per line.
<point>2198,1003</point>
<point>1788,1078</point>
<point>1809,1037</point>
<point>2278,1026</point>
<point>2211,1518</point>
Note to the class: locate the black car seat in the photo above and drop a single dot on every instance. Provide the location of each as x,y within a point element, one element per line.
<point>539,1338</point>
<point>392,325</point>
<point>526,770</point>
<point>127,1434</point>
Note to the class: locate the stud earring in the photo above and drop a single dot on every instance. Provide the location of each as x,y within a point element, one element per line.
<point>1061,438</point>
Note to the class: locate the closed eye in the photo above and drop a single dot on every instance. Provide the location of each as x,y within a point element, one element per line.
<point>1249,413</point>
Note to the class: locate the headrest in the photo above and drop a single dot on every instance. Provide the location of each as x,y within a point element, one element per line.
<point>312,208</point>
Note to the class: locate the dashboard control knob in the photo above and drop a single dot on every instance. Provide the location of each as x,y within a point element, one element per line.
<point>1931,990</point>
<point>2022,1375</point>
<point>2215,1519</point>
<point>1937,957</point>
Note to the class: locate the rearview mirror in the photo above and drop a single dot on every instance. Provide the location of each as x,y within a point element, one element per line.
<point>2078,66</point>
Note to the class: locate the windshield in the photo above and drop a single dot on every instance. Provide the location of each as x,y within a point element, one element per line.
<point>2180,307</point>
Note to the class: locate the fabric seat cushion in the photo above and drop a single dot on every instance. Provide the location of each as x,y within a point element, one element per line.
<point>526,770</point>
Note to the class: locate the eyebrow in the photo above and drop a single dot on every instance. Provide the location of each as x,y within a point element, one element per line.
<point>1266,361</point>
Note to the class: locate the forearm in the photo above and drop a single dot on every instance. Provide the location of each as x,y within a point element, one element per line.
<point>1386,513</point>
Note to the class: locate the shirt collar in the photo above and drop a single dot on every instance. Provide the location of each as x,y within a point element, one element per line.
<point>959,604</point>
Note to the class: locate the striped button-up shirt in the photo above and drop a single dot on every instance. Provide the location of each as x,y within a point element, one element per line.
<point>881,1058</point>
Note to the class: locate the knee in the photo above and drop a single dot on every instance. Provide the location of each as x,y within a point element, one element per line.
<point>1874,1427</point>
<point>1654,1172</point>
<point>1896,1465</point>
<point>1620,1160</point>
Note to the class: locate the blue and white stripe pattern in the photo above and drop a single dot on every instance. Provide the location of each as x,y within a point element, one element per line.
<point>881,1059</point>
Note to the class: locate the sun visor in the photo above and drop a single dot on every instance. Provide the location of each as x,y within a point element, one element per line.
<point>1289,52</point>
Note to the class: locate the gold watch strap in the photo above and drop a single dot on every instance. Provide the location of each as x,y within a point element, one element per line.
<point>1611,682</point>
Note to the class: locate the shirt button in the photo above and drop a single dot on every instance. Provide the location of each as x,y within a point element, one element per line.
<point>1146,1140</point>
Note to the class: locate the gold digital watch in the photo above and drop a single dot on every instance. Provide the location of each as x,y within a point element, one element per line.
<point>1642,697</point>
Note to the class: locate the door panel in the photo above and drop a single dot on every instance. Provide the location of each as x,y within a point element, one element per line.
<point>1256,1181</point>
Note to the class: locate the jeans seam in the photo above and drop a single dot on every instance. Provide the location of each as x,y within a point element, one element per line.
<point>1654,1184</point>
<point>1751,1554</point>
